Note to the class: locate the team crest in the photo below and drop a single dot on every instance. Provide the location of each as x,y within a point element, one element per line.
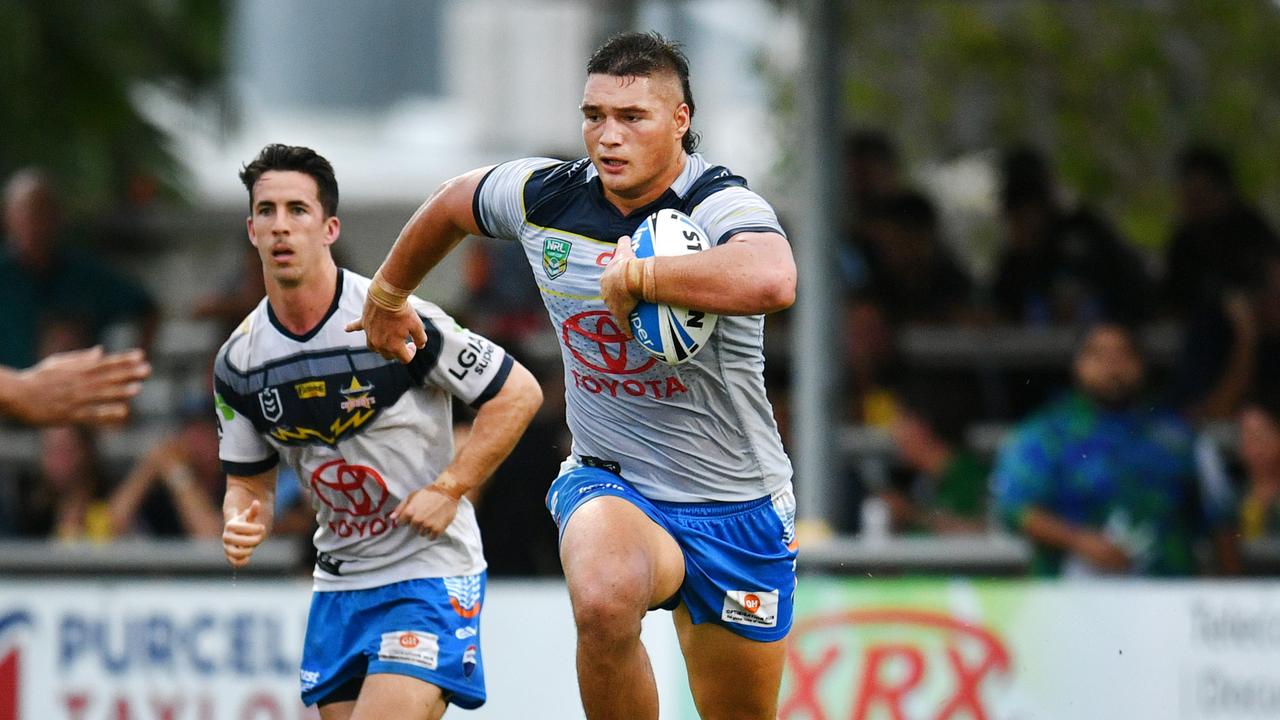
<point>357,396</point>
<point>555,257</point>
<point>269,400</point>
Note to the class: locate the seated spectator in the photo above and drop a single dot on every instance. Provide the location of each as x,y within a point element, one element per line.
<point>70,500</point>
<point>947,488</point>
<point>176,487</point>
<point>43,283</point>
<point>1260,456</point>
<point>1104,481</point>
<point>912,275</point>
<point>1220,242</point>
<point>1060,264</point>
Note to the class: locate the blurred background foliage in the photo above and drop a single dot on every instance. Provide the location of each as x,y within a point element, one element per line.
<point>1110,89</point>
<point>68,73</point>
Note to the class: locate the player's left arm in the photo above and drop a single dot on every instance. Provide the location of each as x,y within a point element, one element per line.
<point>498,425</point>
<point>750,273</point>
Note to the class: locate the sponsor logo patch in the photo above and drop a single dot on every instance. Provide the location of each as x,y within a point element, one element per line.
<point>311,389</point>
<point>412,647</point>
<point>469,660</point>
<point>757,608</point>
<point>464,594</point>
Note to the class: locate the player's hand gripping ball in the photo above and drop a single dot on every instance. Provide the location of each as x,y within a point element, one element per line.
<point>670,334</point>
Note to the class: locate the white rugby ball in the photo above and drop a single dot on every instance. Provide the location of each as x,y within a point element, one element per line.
<point>670,334</point>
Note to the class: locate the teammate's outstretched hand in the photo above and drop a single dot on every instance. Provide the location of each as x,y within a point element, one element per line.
<point>395,334</point>
<point>428,511</point>
<point>242,534</point>
<point>613,285</point>
<point>81,386</point>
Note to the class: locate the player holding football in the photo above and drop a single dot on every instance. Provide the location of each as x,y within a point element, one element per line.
<point>399,579</point>
<point>678,493</point>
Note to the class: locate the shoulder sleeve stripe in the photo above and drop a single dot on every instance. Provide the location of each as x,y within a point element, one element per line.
<point>756,228</point>
<point>424,361</point>
<point>248,469</point>
<point>475,204</point>
<point>495,384</point>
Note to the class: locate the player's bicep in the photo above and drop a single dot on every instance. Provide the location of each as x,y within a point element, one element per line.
<point>470,366</point>
<point>456,199</point>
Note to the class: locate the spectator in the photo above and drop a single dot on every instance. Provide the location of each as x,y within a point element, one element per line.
<point>1260,456</point>
<point>1102,481</point>
<point>947,487</point>
<point>1220,242</point>
<point>872,176</point>
<point>1061,265</point>
<point>176,486</point>
<point>912,275</point>
<point>70,502</point>
<point>238,293</point>
<point>44,285</point>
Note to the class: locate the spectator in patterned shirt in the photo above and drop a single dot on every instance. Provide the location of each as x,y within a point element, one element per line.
<point>1104,482</point>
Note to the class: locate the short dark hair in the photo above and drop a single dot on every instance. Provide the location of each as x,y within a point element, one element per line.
<point>294,158</point>
<point>636,54</point>
<point>1201,159</point>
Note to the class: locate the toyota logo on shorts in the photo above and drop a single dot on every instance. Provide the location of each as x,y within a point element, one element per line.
<point>595,339</point>
<point>349,489</point>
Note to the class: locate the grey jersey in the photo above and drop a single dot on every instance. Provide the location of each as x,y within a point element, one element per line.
<point>701,431</point>
<point>361,432</point>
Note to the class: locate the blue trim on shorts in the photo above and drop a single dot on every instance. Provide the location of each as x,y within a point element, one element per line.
<point>352,633</point>
<point>739,570</point>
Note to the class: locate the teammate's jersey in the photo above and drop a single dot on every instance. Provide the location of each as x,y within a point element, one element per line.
<point>361,432</point>
<point>701,431</point>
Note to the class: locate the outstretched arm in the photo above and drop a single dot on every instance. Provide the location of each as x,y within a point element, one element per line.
<point>81,386</point>
<point>437,226</point>
<point>499,423</point>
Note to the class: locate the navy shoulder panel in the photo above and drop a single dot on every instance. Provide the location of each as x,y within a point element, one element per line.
<point>713,180</point>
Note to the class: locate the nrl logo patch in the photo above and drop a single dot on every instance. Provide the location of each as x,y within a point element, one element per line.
<point>555,257</point>
<point>269,400</point>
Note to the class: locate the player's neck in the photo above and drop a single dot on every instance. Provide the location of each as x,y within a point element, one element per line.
<point>628,205</point>
<point>299,308</point>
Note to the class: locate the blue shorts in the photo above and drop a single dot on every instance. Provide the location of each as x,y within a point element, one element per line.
<point>427,628</point>
<point>739,558</point>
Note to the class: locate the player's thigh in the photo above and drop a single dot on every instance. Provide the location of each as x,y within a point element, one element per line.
<point>338,710</point>
<point>749,691</point>
<point>389,695</point>
<point>610,546</point>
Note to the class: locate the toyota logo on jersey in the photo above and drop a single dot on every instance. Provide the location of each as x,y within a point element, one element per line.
<point>349,489</point>
<point>597,342</point>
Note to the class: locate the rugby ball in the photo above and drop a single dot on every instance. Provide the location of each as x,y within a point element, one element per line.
<point>670,334</point>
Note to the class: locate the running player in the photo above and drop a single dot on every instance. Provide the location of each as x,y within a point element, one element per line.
<point>399,577</point>
<point>678,493</point>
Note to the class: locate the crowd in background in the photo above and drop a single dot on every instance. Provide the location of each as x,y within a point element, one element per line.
<point>1113,458</point>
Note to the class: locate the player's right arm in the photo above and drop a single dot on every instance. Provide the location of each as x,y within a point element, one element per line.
<point>435,229</point>
<point>246,513</point>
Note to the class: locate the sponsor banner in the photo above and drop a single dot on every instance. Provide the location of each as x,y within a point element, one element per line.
<point>936,650</point>
<point>230,650</point>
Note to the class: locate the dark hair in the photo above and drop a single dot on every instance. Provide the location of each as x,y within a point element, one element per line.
<point>1207,161</point>
<point>911,210</point>
<point>637,54</point>
<point>294,158</point>
<point>1025,179</point>
<point>870,145</point>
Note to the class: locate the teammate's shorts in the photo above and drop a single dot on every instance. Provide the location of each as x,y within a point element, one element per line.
<point>427,628</point>
<point>739,558</point>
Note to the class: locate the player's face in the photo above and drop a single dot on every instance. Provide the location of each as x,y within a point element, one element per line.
<point>289,228</point>
<point>632,127</point>
<point>1108,366</point>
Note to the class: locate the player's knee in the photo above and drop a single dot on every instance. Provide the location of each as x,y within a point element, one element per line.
<point>605,613</point>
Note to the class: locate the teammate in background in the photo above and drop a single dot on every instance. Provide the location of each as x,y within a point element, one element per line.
<point>79,386</point>
<point>399,580</point>
<point>677,493</point>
